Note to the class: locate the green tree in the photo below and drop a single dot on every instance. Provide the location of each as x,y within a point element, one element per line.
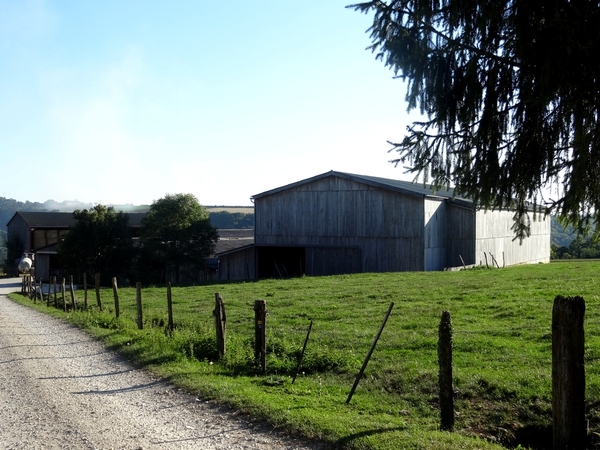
<point>510,91</point>
<point>177,235</point>
<point>100,242</point>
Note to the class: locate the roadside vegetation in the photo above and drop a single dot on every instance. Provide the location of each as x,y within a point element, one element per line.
<point>502,351</point>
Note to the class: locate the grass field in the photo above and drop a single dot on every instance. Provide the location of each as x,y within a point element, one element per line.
<point>502,351</point>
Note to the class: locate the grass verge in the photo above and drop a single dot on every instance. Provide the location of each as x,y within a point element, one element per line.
<point>502,351</point>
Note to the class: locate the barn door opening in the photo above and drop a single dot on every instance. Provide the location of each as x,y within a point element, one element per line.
<point>280,262</point>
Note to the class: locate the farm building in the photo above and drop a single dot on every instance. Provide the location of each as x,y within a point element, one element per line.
<point>40,232</point>
<point>343,223</point>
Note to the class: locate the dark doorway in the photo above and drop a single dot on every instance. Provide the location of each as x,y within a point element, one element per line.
<point>280,262</point>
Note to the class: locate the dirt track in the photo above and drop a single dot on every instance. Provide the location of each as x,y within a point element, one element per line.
<point>61,389</point>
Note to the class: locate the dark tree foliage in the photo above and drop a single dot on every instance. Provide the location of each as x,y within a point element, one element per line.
<point>510,91</point>
<point>100,242</point>
<point>176,236</point>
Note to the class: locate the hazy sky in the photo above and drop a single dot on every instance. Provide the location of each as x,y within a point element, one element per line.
<point>125,101</point>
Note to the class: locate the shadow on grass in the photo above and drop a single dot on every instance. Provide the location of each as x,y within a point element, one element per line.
<point>342,442</point>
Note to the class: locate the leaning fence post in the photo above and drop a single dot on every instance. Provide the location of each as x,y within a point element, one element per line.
<point>368,357</point>
<point>62,293</point>
<point>72,289</point>
<point>97,286</point>
<point>445,374</point>
<point>220,320</point>
<point>170,308</point>
<point>116,296</point>
<point>260,334</point>
<point>302,353</point>
<point>138,302</point>
<point>568,373</point>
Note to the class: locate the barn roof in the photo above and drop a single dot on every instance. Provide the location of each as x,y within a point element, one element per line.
<point>404,187</point>
<point>45,219</point>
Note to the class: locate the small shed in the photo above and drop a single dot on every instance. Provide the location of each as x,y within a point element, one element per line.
<point>339,222</point>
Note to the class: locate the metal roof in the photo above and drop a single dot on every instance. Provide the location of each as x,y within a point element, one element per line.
<point>45,219</point>
<point>404,187</point>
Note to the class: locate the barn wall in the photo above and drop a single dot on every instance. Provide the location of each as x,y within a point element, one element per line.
<point>386,226</point>
<point>42,267</point>
<point>17,227</point>
<point>44,237</point>
<point>237,265</point>
<point>435,234</point>
<point>494,237</point>
<point>460,235</point>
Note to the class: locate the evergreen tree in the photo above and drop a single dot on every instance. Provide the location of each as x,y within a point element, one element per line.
<point>511,94</point>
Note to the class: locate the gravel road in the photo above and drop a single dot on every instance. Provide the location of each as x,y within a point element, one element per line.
<point>61,389</point>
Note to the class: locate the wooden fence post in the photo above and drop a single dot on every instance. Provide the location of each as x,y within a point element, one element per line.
<point>368,357</point>
<point>62,293</point>
<point>302,353</point>
<point>116,296</point>
<point>568,373</point>
<point>445,374</point>
<point>85,302</point>
<point>72,289</point>
<point>170,324</point>
<point>220,322</point>
<point>54,291</point>
<point>97,286</point>
<point>260,334</point>
<point>138,302</point>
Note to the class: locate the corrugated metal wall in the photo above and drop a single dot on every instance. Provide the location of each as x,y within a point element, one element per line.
<point>495,237</point>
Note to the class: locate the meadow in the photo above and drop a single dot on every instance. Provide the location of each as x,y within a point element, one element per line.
<point>502,343</point>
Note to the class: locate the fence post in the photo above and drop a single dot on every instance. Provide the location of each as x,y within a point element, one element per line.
<point>260,334</point>
<point>85,303</point>
<point>302,353</point>
<point>97,286</point>
<point>62,293</point>
<point>116,296</point>
<point>568,373</point>
<point>368,357</point>
<point>138,302</point>
<point>445,375</point>
<point>170,308</point>
<point>54,291</point>
<point>72,292</point>
<point>220,320</point>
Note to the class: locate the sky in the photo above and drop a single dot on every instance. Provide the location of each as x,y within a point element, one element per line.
<point>126,101</point>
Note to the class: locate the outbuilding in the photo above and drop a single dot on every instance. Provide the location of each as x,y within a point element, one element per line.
<point>339,222</point>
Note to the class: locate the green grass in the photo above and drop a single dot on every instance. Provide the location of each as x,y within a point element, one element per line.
<point>502,351</point>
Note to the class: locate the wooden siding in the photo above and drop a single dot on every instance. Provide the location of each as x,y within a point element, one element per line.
<point>460,236</point>
<point>237,265</point>
<point>332,261</point>
<point>18,228</point>
<point>435,234</point>
<point>335,212</point>
<point>495,237</point>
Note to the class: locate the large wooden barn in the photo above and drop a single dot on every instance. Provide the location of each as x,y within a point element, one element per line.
<point>343,223</point>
